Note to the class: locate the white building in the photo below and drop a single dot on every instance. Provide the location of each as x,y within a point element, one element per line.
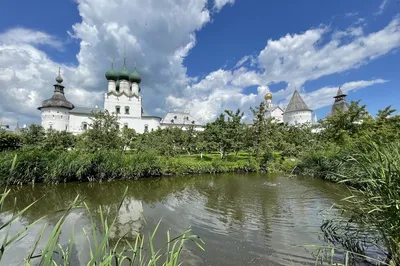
<point>273,111</point>
<point>122,98</point>
<point>295,113</point>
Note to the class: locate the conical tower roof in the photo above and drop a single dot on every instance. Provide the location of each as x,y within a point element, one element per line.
<point>296,103</point>
<point>339,104</point>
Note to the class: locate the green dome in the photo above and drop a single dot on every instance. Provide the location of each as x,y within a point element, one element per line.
<point>135,77</point>
<point>123,74</point>
<point>112,75</point>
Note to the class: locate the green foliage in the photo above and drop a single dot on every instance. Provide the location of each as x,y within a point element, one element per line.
<point>34,136</point>
<point>9,141</point>
<point>101,250</point>
<point>103,133</point>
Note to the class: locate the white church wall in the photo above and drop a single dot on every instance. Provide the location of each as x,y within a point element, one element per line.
<point>55,118</point>
<point>134,104</point>
<point>77,123</point>
<point>111,86</point>
<point>277,114</point>
<point>297,117</point>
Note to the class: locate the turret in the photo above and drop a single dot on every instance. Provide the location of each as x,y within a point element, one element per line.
<point>123,77</point>
<point>112,77</point>
<point>55,111</point>
<point>340,103</point>
<point>135,79</point>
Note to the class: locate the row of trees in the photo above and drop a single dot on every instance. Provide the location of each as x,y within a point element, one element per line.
<point>227,134</point>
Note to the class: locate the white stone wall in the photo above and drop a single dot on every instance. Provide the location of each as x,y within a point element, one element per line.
<point>135,105</point>
<point>77,122</point>
<point>55,118</point>
<point>111,86</point>
<point>297,117</point>
<point>277,114</point>
<point>125,86</point>
<point>140,124</point>
<point>135,88</point>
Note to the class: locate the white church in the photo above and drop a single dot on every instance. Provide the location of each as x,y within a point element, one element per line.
<point>122,98</point>
<point>296,112</point>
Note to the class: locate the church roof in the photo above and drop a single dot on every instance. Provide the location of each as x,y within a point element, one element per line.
<point>84,110</point>
<point>179,118</point>
<point>58,99</point>
<point>296,103</point>
<point>339,104</point>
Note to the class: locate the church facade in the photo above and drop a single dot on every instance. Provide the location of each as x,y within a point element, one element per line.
<point>296,112</point>
<point>122,98</point>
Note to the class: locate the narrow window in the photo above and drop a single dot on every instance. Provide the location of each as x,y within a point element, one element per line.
<point>51,126</point>
<point>127,110</point>
<point>126,125</point>
<point>66,127</point>
<point>61,116</point>
<point>84,126</point>
<point>146,128</point>
<point>117,109</point>
<point>53,117</point>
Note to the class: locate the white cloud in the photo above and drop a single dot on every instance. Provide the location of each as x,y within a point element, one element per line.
<point>27,36</point>
<point>323,97</point>
<point>382,7</point>
<point>159,37</point>
<point>219,4</point>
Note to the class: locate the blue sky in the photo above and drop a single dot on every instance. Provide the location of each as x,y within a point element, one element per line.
<point>188,52</point>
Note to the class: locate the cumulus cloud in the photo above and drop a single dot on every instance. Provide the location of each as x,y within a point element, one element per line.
<point>219,4</point>
<point>158,38</point>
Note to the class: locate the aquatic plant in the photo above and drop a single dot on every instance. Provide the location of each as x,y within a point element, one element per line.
<point>101,250</point>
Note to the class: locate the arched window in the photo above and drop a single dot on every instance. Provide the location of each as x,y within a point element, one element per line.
<point>117,109</point>
<point>146,128</point>
<point>84,126</point>
<point>127,110</point>
<point>126,125</point>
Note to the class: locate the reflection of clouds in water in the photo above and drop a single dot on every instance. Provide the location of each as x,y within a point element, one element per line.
<point>19,250</point>
<point>129,222</point>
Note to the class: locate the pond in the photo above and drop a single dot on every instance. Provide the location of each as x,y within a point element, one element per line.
<point>244,219</point>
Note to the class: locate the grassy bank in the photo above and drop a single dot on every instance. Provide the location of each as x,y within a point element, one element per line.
<point>36,166</point>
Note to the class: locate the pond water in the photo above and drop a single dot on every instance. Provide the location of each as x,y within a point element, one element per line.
<point>244,219</point>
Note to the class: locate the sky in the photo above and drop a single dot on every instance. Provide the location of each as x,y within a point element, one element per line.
<point>202,56</point>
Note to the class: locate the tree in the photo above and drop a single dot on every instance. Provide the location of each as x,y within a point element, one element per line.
<point>34,136</point>
<point>216,136</point>
<point>128,138</point>
<point>103,133</point>
<point>9,141</point>
<point>58,140</point>
<point>259,129</point>
<point>235,130</point>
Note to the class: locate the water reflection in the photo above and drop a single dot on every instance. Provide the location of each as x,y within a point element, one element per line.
<point>245,219</point>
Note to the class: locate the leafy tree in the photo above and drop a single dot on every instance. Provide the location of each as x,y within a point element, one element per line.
<point>102,134</point>
<point>235,130</point>
<point>128,138</point>
<point>259,130</point>
<point>9,141</point>
<point>58,140</point>
<point>34,136</point>
<point>217,136</point>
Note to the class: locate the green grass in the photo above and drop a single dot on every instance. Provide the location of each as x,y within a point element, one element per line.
<point>35,166</point>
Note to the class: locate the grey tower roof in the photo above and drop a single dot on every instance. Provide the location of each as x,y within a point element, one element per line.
<point>339,104</point>
<point>58,99</point>
<point>296,104</point>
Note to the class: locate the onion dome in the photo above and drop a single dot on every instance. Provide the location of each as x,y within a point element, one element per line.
<point>112,74</point>
<point>135,77</point>
<point>268,96</point>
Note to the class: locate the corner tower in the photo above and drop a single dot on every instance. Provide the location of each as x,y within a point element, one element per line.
<point>297,112</point>
<point>340,103</point>
<point>55,111</point>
